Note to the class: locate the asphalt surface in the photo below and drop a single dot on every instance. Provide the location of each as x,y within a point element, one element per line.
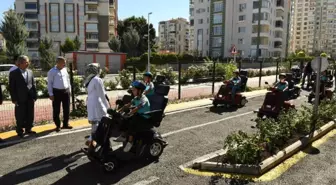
<point>56,160</point>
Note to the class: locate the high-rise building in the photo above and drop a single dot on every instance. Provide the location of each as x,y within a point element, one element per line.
<point>313,26</point>
<point>174,35</point>
<point>235,23</point>
<point>93,21</point>
<point>199,11</point>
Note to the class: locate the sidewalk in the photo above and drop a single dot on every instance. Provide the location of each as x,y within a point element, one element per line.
<point>43,107</point>
<point>48,129</point>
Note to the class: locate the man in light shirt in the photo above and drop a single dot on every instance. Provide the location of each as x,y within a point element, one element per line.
<point>59,92</point>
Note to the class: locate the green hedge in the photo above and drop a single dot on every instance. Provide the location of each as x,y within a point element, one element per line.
<point>273,135</point>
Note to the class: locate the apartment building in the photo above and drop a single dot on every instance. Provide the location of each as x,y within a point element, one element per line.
<point>93,21</point>
<point>313,26</point>
<point>199,11</point>
<point>174,35</point>
<point>234,23</point>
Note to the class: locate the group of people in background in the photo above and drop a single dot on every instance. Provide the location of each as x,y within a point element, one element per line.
<point>23,93</point>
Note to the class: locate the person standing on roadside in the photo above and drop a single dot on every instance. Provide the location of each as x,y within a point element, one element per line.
<point>59,92</point>
<point>308,70</point>
<point>23,94</point>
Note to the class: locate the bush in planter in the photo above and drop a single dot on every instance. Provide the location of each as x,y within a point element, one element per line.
<point>242,148</point>
<point>80,110</point>
<point>77,85</point>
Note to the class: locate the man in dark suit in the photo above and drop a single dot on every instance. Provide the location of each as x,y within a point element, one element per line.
<point>23,94</point>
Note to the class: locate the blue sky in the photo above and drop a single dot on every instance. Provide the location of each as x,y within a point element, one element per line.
<point>162,9</point>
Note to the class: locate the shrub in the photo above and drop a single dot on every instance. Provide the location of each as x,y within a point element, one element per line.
<point>103,72</point>
<point>77,85</point>
<point>198,71</point>
<point>4,80</point>
<point>110,85</point>
<point>41,87</point>
<point>125,79</point>
<point>80,110</point>
<point>169,73</point>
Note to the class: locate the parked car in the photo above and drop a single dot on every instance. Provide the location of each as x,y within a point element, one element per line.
<point>4,69</point>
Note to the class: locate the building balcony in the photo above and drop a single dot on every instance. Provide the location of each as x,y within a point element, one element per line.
<point>92,40</point>
<point>32,39</point>
<point>91,30</point>
<point>278,29</point>
<point>279,18</point>
<point>263,10</point>
<point>92,11</point>
<point>91,2</point>
<point>262,34</point>
<point>91,20</point>
<point>278,39</point>
<point>262,22</point>
<point>31,10</point>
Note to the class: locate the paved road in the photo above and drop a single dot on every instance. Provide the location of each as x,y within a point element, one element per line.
<point>54,160</point>
<point>43,107</point>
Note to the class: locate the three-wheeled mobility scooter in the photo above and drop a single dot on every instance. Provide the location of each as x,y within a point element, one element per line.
<point>223,97</point>
<point>147,143</point>
<point>274,102</point>
<point>293,90</point>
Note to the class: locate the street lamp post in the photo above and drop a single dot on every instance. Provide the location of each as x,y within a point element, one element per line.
<point>149,50</point>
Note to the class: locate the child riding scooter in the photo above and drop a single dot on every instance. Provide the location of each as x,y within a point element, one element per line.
<point>149,91</point>
<point>235,85</point>
<point>137,119</point>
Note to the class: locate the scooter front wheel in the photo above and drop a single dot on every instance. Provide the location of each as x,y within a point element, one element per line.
<point>110,166</point>
<point>155,149</point>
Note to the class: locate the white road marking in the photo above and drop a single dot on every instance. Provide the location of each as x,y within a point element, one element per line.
<point>205,124</point>
<point>33,169</point>
<point>169,113</point>
<point>148,181</point>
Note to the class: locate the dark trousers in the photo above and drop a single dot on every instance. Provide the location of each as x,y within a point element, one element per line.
<point>308,75</point>
<point>61,96</point>
<point>135,124</point>
<point>24,115</point>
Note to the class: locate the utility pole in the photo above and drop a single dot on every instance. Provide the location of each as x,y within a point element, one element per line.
<point>258,41</point>
<point>149,49</point>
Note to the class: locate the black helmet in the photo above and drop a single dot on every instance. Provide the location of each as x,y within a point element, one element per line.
<point>139,85</point>
<point>148,74</point>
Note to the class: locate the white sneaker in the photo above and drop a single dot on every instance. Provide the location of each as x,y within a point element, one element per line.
<point>120,139</point>
<point>128,147</point>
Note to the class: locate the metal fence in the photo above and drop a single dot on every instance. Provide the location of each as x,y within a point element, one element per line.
<point>187,79</point>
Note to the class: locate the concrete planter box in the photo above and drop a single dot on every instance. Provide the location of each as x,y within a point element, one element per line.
<point>209,164</point>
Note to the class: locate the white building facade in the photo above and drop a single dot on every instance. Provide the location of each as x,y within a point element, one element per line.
<point>90,20</point>
<point>199,11</point>
<point>313,26</point>
<point>174,36</point>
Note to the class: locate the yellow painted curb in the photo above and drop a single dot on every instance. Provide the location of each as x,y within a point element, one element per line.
<point>46,128</point>
<point>273,173</point>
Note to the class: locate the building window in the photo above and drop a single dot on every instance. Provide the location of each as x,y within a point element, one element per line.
<point>240,41</point>
<point>54,17</point>
<point>216,42</point>
<point>242,18</point>
<point>242,7</point>
<point>218,6</point>
<point>91,27</point>
<point>31,25</point>
<point>200,21</point>
<point>217,30</point>
<point>31,6</point>
<point>217,19</point>
<point>200,40</point>
<point>241,29</point>
<point>31,16</point>
<point>69,15</point>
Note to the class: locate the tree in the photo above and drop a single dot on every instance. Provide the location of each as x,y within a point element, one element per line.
<point>15,32</point>
<point>68,46</point>
<point>77,43</point>
<point>115,44</point>
<point>131,41</point>
<point>141,26</point>
<point>47,54</point>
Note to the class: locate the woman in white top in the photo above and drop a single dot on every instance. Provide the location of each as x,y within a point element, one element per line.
<point>97,104</point>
